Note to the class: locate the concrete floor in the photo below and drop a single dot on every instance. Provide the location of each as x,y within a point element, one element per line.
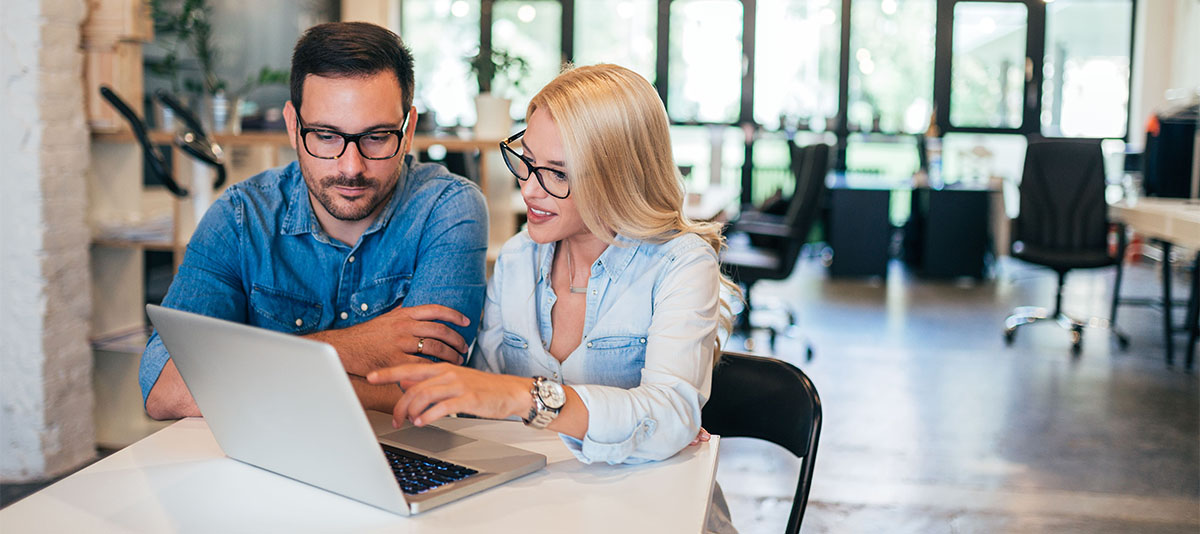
<point>933,425</point>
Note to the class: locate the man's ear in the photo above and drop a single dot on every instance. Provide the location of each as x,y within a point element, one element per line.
<point>411,129</point>
<point>289,120</point>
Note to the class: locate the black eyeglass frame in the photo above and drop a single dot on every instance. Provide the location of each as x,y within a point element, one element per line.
<point>351,138</point>
<point>533,169</point>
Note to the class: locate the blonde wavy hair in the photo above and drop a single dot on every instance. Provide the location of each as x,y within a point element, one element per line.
<point>621,169</point>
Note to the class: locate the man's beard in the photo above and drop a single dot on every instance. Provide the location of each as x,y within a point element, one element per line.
<point>375,195</point>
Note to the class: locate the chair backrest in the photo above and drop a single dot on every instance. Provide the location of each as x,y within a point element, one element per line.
<point>805,205</point>
<point>772,400</point>
<point>1062,196</point>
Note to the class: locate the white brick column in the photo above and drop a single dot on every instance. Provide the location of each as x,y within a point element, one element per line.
<point>46,423</point>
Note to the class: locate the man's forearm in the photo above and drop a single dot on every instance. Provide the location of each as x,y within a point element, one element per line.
<point>380,398</point>
<point>356,358</point>
<point>170,398</point>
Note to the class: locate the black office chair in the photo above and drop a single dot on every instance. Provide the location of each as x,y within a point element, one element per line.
<point>1063,224</point>
<point>780,239</point>
<point>772,400</point>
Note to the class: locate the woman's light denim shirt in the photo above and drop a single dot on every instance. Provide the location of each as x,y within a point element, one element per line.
<point>644,365</point>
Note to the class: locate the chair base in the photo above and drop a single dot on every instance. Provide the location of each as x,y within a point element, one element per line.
<point>1025,315</point>
<point>745,324</point>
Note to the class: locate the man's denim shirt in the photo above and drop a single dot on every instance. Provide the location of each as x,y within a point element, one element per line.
<point>260,257</point>
<point>644,365</point>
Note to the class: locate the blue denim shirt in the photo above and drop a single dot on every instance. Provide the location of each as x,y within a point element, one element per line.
<point>260,257</point>
<point>644,365</point>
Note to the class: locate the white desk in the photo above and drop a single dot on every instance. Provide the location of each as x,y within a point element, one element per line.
<point>178,480</point>
<point>1170,219</point>
<point>1174,221</point>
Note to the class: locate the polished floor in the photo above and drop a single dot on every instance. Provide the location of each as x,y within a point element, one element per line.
<point>933,425</point>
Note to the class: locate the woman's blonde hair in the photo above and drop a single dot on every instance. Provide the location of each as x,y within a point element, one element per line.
<point>617,147</point>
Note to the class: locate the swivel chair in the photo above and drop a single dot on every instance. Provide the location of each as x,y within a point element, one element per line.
<point>780,239</point>
<point>1063,225</point>
<point>771,400</point>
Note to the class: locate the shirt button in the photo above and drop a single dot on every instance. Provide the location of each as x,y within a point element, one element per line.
<point>593,291</point>
<point>589,344</point>
<point>345,316</point>
<point>525,345</point>
<point>643,340</point>
<point>299,322</point>
<point>350,259</point>
<point>363,307</point>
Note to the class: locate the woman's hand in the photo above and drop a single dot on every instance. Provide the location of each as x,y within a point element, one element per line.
<point>433,391</point>
<point>701,437</point>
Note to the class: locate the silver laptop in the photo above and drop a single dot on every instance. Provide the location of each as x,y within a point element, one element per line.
<point>285,404</point>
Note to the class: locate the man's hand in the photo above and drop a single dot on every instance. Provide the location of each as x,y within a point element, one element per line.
<point>402,335</point>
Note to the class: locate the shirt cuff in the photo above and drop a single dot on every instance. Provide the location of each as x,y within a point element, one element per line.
<point>590,451</point>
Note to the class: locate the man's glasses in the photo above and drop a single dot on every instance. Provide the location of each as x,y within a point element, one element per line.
<point>323,143</point>
<point>552,181</point>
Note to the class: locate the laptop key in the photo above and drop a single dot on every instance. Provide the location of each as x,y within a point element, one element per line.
<point>418,474</point>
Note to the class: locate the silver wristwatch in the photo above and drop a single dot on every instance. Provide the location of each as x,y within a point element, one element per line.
<point>548,399</point>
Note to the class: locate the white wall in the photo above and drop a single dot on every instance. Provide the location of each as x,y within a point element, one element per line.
<point>45,361</point>
<point>1166,58</point>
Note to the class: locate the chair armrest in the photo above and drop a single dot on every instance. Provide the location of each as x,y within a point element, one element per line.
<point>763,229</point>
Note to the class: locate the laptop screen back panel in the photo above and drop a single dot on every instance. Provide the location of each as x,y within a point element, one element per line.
<point>282,403</point>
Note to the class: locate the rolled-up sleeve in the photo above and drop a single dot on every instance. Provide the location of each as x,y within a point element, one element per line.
<point>660,416</point>
<point>209,280</point>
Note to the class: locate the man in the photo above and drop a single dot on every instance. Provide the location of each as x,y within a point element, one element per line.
<point>353,244</point>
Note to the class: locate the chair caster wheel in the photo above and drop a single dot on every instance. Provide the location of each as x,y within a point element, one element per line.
<point>1076,342</point>
<point>1009,336</point>
<point>1123,343</point>
<point>808,354</point>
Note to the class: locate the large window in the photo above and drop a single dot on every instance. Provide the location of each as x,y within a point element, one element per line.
<point>705,82</point>
<point>891,65</point>
<point>621,32</point>
<point>532,30</point>
<point>796,66</point>
<point>988,74</point>
<point>442,35</point>
<point>1085,92</point>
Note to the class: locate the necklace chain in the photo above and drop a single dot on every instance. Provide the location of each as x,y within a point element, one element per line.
<point>571,273</point>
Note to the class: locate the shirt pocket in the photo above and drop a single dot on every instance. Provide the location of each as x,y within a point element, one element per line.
<point>617,360</point>
<point>517,359</point>
<point>380,296</point>
<point>284,311</point>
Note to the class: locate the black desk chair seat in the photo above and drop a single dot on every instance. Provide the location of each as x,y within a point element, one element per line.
<point>1065,260</point>
<point>1063,225</point>
<point>771,400</point>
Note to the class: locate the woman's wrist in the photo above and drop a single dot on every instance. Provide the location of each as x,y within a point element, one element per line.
<point>523,402</point>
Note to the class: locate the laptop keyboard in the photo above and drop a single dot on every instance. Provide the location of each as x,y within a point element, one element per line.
<point>418,474</point>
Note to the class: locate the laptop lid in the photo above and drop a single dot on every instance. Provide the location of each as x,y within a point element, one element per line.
<point>285,404</point>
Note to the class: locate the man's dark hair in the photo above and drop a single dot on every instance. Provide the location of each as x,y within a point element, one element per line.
<point>350,49</point>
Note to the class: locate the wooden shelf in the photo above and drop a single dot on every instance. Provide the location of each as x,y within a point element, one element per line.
<point>160,246</point>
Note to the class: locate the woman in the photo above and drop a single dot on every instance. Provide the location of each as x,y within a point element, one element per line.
<point>609,297</point>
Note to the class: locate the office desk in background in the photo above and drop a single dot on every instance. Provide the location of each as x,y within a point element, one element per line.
<point>1173,221</point>
<point>178,480</point>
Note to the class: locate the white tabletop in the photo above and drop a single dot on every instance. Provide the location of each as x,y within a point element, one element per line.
<point>1175,220</point>
<point>178,480</point>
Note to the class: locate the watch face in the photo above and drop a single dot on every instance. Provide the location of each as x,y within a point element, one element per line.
<point>552,394</point>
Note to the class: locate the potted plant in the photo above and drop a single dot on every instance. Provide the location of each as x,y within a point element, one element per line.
<point>497,72</point>
<point>183,29</point>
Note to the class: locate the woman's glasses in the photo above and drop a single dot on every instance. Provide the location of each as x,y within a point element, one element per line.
<point>554,182</point>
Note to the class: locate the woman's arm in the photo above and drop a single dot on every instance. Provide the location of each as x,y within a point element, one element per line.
<point>609,424</point>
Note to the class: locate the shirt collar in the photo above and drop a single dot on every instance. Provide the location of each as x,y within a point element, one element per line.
<point>300,218</point>
<point>614,259</point>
